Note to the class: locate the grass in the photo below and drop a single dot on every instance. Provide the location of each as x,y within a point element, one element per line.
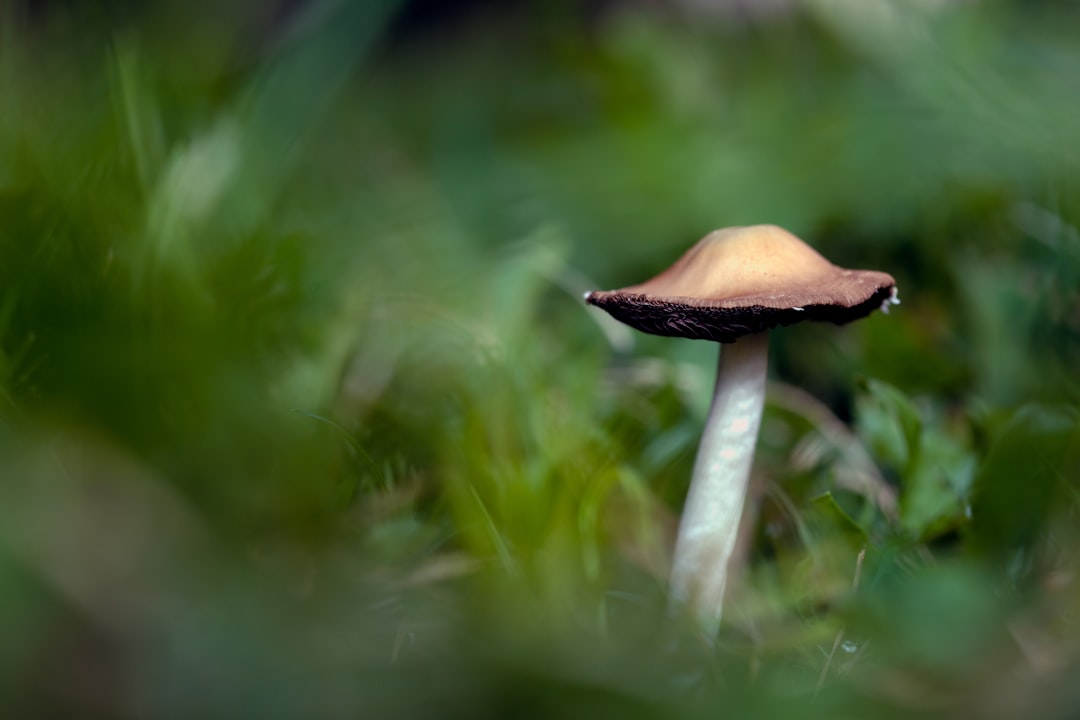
<point>301,412</point>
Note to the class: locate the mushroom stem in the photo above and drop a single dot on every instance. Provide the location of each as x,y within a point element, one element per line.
<point>710,521</point>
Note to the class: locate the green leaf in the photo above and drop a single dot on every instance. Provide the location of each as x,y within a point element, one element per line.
<point>1016,482</point>
<point>888,421</point>
<point>827,509</point>
<point>935,486</point>
<point>933,458</point>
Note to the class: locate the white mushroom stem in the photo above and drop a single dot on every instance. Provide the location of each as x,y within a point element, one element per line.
<point>710,520</point>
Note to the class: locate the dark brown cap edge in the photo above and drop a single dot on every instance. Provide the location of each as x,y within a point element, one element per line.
<point>725,325</point>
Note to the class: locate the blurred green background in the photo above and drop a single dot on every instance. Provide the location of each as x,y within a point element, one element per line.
<point>302,415</point>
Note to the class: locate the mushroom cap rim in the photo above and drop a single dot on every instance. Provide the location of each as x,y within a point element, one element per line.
<point>721,321</point>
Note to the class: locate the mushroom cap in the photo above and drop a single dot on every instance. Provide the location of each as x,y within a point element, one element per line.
<point>744,280</point>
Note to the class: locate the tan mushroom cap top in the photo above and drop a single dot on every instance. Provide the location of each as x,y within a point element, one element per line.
<point>741,280</point>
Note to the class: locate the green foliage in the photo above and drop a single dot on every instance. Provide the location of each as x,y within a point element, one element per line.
<point>301,413</point>
<point>933,456</point>
<point>1024,472</point>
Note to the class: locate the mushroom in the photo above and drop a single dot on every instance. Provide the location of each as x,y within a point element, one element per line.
<point>732,287</point>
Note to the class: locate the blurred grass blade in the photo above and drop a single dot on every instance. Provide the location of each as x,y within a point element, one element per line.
<point>496,538</point>
<point>288,100</point>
